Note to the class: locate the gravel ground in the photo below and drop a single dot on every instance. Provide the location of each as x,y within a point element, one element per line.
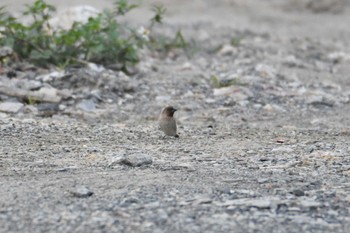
<point>263,124</point>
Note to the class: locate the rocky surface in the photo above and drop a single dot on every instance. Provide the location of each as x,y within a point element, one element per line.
<point>263,123</point>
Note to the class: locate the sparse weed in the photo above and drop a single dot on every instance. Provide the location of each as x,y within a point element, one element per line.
<point>102,39</point>
<point>216,82</point>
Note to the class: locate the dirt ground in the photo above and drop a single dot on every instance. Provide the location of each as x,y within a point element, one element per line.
<point>267,153</point>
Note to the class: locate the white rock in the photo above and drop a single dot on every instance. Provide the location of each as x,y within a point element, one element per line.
<point>163,98</point>
<point>29,84</point>
<point>65,93</point>
<point>292,61</point>
<point>95,67</point>
<point>227,50</point>
<point>49,94</point>
<point>268,108</point>
<point>51,76</point>
<point>10,107</point>
<point>30,109</point>
<point>258,203</point>
<point>87,105</point>
<point>309,203</point>
<point>338,57</point>
<point>282,149</point>
<point>62,107</point>
<point>186,66</point>
<point>273,108</point>
<point>3,115</point>
<point>81,192</point>
<point>266,71</point>
<point>66,17</point>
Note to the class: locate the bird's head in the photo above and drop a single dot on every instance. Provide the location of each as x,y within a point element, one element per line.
<point>169,111</point>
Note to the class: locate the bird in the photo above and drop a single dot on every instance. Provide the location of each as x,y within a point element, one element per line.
<point>167,122</point>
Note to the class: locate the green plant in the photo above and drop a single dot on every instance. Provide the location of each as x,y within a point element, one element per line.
<point>236,41</point>
<point>216,82</point>
<point>102,39</point>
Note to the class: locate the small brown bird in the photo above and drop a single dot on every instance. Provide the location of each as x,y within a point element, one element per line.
<point>167,122</point>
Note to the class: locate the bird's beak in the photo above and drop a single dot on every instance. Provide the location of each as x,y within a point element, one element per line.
<point>174,110</point>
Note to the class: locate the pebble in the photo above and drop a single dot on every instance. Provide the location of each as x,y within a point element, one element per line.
<point>51,76</point>
<point>282,149</point>
<point>49,94</point>
<point>81,192</point>
<point>227,50</point>
<point>202,200</point>
<point>10,107</point>
<point>66,17</point>
<point>266,71</point>
<point>136,160</point>
<point>29,84</point>
<point>298,192</point>
<point>334,6</point>
<point>309,203</point>
<point>87,105</point>
<point>258,203</point>
<point>183,166</point>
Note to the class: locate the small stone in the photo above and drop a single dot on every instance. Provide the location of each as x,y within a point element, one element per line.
<point>261,204</point>
<point>263,159</point>
<point>29,84</point>
<point>298,192</point>
<point>49,94</point>
<point>47,109</point>
<point>265,71</point>
<point>257,106</point>
<point>87,105</point>
<point>227,50</point>
<point>65,18</point>
<point>334,6</point>
<point>258,203</point>
<point>96,68</point>
<point>186,66</point>
<point>347,198</point>
<point>292,61</point>
<point>203,200</point>
<point>314,99</point>
<point>62,107</point>
<point>6,51</point>
<point>30,109</point>
<point>51,76</point>
<point>309,203</point>
<point>320,99</point>
<point>337,57</point>
<point>10,107</point>
<point>81,192</point>
<point>136,160</point>
<point>282,149</point>
<point>65,93</point>
<point>183,166</point>
<point>163,98</point>
<point>263,180</point>
<point>268,108</point>
<point>273,108</point>
<point>237,93</point>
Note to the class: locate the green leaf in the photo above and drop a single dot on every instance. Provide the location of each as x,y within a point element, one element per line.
<point>159,12</point>
<point>123,7</point>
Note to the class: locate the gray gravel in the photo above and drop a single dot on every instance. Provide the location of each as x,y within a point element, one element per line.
<point>263,124</point>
